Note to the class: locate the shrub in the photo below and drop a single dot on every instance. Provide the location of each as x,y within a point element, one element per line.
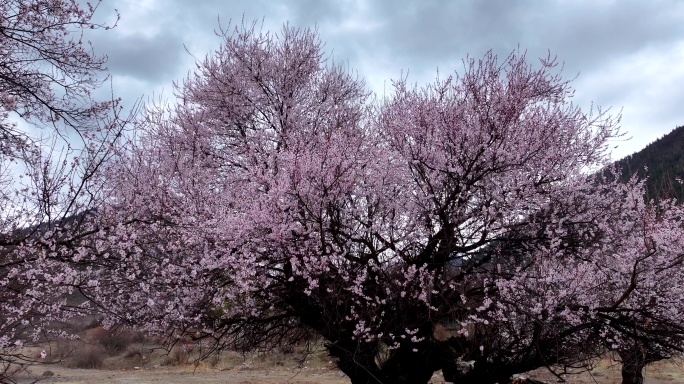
<point>114,340</point>
<point>177,356</point>
<point>86,357</point>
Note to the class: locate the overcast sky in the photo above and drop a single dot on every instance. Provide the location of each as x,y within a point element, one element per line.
<point>628,55</point>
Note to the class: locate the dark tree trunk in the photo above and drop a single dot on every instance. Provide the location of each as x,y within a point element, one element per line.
<point>633,363</point>
<point>483,370</point>
<point>631,374</point>
<point>479,376</point>
<point>408,367</point>
<point>403,366</point>
<point>358,364</point>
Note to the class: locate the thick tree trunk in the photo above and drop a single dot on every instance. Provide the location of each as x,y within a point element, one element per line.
<point>358,364</point>
<point>479,376</point>
<point>483,371</point>
<point>403,367</point>
<point>408,367</point>
<point>632,374</point>
<point>633,363</point>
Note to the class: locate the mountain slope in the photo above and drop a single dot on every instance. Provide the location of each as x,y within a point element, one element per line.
<point>663,162</point>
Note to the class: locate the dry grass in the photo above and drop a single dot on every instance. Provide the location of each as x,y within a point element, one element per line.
<point>86,357</point>
<point>146,363</point>
<point>607,371</point>
<point>126,351</point>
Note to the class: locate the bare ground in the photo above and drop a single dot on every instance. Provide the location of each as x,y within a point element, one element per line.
<point>606,372</point>
<point>170,376</point>
<point>138,363</point>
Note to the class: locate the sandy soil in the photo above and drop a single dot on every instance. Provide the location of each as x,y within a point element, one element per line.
<point>180,376</point>
<point>153,366</point>
<point>606,373</point>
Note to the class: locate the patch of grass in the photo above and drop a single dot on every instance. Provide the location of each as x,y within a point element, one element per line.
<point>214,360</point>
<point>177,356</point>
<point>116,340</point>
<point>86,357</point>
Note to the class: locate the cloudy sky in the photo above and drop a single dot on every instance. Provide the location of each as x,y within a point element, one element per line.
<point>627,55</point>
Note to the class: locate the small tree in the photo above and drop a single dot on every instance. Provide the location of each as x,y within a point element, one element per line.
<point>47,164</point>
<point>276,199</point>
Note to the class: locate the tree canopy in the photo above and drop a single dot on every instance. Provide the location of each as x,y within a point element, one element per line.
<point>54,136</point>
<point>279,199</point>
<point>460,226</point>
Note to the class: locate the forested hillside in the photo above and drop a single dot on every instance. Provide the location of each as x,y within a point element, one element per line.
<point>663,162</point>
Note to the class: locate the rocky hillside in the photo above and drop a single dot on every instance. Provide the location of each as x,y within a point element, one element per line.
<point>663,162</point>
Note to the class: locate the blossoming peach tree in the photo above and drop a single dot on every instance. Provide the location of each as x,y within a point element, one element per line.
<point>460,221</point>
<point>54,136</point>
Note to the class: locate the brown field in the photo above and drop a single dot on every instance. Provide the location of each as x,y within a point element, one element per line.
<point>608,371</point>
<point>83,376</point>
<point>179,366</point>
<point>259,370</point>
<point>127,357</point>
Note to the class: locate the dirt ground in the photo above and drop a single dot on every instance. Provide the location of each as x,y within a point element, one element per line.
<point>183,376</point>
<point>138,363</point>
<point>607,372</point>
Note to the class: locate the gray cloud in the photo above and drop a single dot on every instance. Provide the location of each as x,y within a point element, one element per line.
<point>614,46</point>
<point>153,59</point>
<point>581,34</point>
